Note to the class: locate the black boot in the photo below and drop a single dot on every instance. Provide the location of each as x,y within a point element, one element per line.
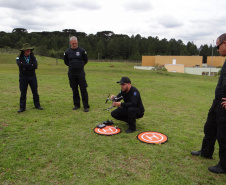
<point>21,110</point>
<point>217,169</point>
<point>199,153</point>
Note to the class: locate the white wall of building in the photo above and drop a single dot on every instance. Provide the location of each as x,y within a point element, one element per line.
<point>190,70</point>
<point>201,71</point>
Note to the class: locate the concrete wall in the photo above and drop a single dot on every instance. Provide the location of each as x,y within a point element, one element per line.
<point>201,71</point>
<point>179,68</point>
<point>188,61</point>
<point>215,61</point>
<point>144,67</point>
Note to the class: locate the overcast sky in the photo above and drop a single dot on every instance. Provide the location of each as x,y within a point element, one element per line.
<point>197,21</point>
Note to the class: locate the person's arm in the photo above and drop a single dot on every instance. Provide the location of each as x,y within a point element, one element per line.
<point>116,103</point>
<point>66,59</point>
<point>22,65</point>
<point>34,64</point>
<point>224,88</point>
<point>85,57</point>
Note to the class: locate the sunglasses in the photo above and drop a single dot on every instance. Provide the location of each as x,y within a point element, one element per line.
<point>218,46</point>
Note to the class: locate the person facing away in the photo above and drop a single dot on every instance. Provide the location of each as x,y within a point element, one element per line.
<point>132,108</point>
<point>215,126</point>
<point>27,64</point>
<point>76,58</point>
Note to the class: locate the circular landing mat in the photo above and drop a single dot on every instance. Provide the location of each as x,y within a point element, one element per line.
<point>152,137</point>
<point>108,130</point>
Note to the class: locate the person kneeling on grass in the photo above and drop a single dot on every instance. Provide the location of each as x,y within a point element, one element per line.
<point>132,108</point>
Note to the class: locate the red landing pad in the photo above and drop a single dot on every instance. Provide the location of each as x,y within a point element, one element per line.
<point>108,130</point>
<point>152,137</point>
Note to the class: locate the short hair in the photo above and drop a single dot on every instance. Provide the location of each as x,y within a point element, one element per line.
<point>73,38</point>
<point>222,37</point>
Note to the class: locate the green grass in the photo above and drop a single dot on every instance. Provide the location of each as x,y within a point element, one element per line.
<point>58,145</point>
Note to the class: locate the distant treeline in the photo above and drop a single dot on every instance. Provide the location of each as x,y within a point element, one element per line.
<point>104,45</point>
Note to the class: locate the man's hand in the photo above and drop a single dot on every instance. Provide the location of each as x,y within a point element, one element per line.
<point>112,97</point>
<point>224,103</point>
<point>116,104</point>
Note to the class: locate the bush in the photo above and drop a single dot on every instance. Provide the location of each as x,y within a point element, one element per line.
<point>158,67</point>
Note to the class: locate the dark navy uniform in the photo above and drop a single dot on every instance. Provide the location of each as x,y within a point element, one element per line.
<point>215,127</point>
<point>76,59</point>
<point>131,109</point>
<point>27,76</point>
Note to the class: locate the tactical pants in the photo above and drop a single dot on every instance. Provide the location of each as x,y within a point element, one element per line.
<point>32,82</point>
<point>128,115</point>
<point>78,79</point>
<point>215,129</point>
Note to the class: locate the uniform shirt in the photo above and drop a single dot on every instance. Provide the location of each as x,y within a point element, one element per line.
<point>75,59</point>
<point>220,91</point>
<point>27,66</point>
<point>131,99</point>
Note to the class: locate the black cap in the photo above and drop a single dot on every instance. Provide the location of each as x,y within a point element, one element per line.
<point>124,80</point>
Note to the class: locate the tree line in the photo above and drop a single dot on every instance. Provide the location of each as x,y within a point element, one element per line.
<point>104,45</point>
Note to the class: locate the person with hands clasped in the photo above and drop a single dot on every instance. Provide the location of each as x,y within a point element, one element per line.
<point>76,58</point>
<point>27,64</point>
<point>215,126</point>
<point>132,108</point>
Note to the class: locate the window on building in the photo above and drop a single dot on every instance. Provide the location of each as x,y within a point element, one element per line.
<point>213,73</point>
<point>205,73</point>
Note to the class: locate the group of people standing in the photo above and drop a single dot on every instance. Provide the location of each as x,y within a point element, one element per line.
<point>132,108</point>
<point>76,58</point>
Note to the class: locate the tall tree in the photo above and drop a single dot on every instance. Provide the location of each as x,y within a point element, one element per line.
<point>162,47</point>
<point>192,49</point>
<point>204,51</point>
<point>101,51</point>
<point>113,48</point>
<point>19,30</point>
<point>153,45</point>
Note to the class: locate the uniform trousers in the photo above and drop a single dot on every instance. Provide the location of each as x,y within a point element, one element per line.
<point>128,115</point>
<point>32,82</point>
<point>215,129</point>
<point>78,79</point>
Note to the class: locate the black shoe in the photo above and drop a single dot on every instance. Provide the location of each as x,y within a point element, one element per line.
<point>76,107</point>
<point>86,109</point>
<point>129,130</point>
<point>199,153</point>
<point>21,110</point>
<point>216,169</point>
<point>39,108</point>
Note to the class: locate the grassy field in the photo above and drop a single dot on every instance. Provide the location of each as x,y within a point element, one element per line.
<point>58,145</point>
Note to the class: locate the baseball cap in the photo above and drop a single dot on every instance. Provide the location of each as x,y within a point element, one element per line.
<point>124,80</point>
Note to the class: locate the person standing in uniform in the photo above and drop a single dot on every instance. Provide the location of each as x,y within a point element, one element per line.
<point>215,126</point>
<point>27,64</point>
<point>76,58</point>
<point>132,108</point>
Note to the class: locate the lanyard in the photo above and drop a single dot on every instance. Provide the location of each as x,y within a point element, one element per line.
<point>27,59</point>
